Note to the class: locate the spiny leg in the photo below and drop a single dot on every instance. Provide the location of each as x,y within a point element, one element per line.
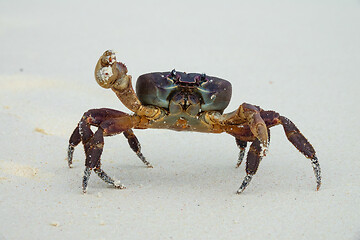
<point>135,146</point>
<point>302,144</point>
<point>253,159</point>
<point>242,146</point>
<point>93,150</point>
<point>109,122</point>
<point>74,140</point>
<point>70,155</point>
<point>317,171</point>
<point>107,179</point>
<point>86,177</point>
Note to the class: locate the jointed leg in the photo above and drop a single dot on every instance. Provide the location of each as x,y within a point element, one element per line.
<point>108,179</point>
<point>109,122</point>
<point>250,116</point>
<point>257,125</point>
<point>86,177</point>
<point>294,135</point>
<point>75,139</point>
<point>102,175</point>
<point>135,146</point>
<point>302,144</point>
<point>242,146</point>
<point>252,163</point>
<point>93,150</point>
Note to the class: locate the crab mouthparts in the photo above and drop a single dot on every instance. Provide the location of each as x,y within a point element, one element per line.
<point>187,81</point>
<point>182,123</point>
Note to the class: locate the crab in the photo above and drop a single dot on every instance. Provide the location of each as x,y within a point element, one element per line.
<point>182,102</point>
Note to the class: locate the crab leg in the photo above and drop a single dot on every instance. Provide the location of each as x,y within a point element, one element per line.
<point>93,151</point>
<point>294,135</point>
<point>75,139</point>
<point>107,179</point>
<point>257,127</point>
<point>112,74</point>
<point>86,177</point>
<point>302,144</point>
<point>135,146</point>
<point>109,122</point>
<point>252,163</point>
<point>242,146</point>
<point>250,115</point>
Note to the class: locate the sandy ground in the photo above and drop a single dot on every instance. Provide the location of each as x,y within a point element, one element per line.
<point>301,59</point>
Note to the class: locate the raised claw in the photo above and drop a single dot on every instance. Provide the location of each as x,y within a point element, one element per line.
<point>107,70</point>
<point>108,58</point>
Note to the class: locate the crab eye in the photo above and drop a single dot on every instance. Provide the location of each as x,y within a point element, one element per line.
<point>199,79</point>
<point>173,75</point>
<point>203,77</point>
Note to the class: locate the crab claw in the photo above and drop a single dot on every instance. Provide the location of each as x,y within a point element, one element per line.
<point>107,70</point>
<point>108,58</point>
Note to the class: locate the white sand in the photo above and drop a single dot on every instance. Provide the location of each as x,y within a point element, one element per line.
<point>301,59</point>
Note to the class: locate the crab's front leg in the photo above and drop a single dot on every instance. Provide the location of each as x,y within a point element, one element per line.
<point>248,115</point>
<point>253,159</point>
<point>246,124</point>
<point>112,74</point>
<point>242,146</point>
<point>259,147</point>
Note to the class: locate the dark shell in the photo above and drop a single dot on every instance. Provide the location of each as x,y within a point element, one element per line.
<point>157,89</point>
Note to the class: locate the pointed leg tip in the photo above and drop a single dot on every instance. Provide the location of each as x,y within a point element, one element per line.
<point>245,183</point>
<point>149,166</point>
<point>238,192</point>
<point>238,164</point>
<point>118,185</point>
<point>70,165</point>
<point>318,186</point>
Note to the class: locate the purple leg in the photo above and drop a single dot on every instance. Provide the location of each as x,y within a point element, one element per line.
<point>242,146</point>
<point>135,146</point>
<point>252,163</point>
<point>107,121</point>
<point>302,144</point>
